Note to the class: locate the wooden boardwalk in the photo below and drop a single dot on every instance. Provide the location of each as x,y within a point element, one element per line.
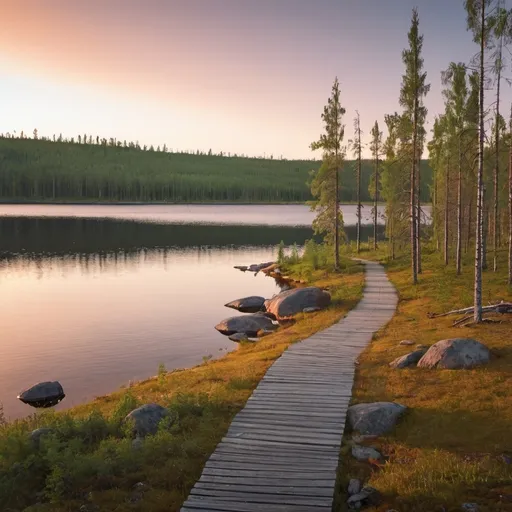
<point>281,451</point>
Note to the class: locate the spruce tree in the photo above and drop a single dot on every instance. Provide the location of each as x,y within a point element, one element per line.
<point>325,182</point>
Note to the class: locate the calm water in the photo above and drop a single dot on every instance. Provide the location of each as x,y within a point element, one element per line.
<point>267,215</point>
<point>95,301</point>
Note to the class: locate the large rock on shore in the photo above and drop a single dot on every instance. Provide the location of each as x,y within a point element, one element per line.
<point>145,419</point>
<point>455,353</point>
<point>43,395</point>
<point>376,418</point>
<point>248,324</point>
<point>251,304</point>
<point>291,302</point>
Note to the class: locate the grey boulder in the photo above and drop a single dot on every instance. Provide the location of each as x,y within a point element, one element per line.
<point>367,497</point>
<point>43,395</point>
<point>248,324</point>
<point>354,486</point>
<point>374,418</point>
<point>36,435</point>
<point>409,359</point>
<point>455,353</point>
<point>365,453</point>
<point>291,302</point>
<point>145,419</point>
<point>251,304</point>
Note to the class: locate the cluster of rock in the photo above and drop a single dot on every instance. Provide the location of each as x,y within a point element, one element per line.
<point>368,421</point>
<point>450,354</point>
<point>263,315</point>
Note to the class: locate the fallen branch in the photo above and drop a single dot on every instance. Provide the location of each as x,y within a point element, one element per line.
<point>501,307</point>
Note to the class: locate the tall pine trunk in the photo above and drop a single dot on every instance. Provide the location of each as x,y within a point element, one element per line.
<point>446,208</point>
<point>496,222</point>
<point>510,204</point>
<point>459,210</point>
<point>376,201</point>
<point>418,217</point>
<point>336,218</point>
<point>414,260</point>
<point>358,185</point>
<point>480,179</point>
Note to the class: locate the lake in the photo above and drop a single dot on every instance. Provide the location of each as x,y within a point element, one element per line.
<point>96,296</point>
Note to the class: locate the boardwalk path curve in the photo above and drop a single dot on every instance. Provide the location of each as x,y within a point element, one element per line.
<point>281,451</point>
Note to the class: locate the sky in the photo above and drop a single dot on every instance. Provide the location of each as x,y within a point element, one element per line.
<point>239,76</point>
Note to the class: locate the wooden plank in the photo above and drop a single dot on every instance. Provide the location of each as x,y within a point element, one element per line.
<point>273,489</point>
<point>258,497</point>
<point>193,504</point>
<point>270,473</point>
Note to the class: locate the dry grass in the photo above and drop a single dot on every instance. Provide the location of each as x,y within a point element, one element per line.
<point>91,462</point>
<point>453,445</point>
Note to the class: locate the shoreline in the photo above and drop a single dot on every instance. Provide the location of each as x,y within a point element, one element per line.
<point>158,203</point>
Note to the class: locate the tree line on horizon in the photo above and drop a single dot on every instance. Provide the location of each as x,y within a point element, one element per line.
<point>37,169</point>
<point>470,150</point>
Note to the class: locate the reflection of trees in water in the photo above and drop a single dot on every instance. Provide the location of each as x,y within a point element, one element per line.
<point>74,235</point>
<point>101,244</point>
<point>99,263</point>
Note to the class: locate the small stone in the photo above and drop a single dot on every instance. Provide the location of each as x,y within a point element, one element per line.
<point>359,438</point>
<point>365,453</point>
<point>422,347</point>
<point>406,342</point>
<point>137,443</point>
<point>368,496</point>
<point>84,508</point>
<point>140,486</point>
<point>239,337</point>
<point>409,359</point>
<point>311,310</point>
<point>354,486</point>
<point>36,435</point>
<point>470,507</point>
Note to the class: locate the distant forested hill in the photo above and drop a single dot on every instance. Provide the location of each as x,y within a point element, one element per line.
<point>43,170</point>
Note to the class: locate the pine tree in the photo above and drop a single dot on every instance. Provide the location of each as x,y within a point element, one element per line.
<point>375,147</point>
<point>357,148</point>
<point>325,182</point>
<point>413,90</point>
<point>456,102</point>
